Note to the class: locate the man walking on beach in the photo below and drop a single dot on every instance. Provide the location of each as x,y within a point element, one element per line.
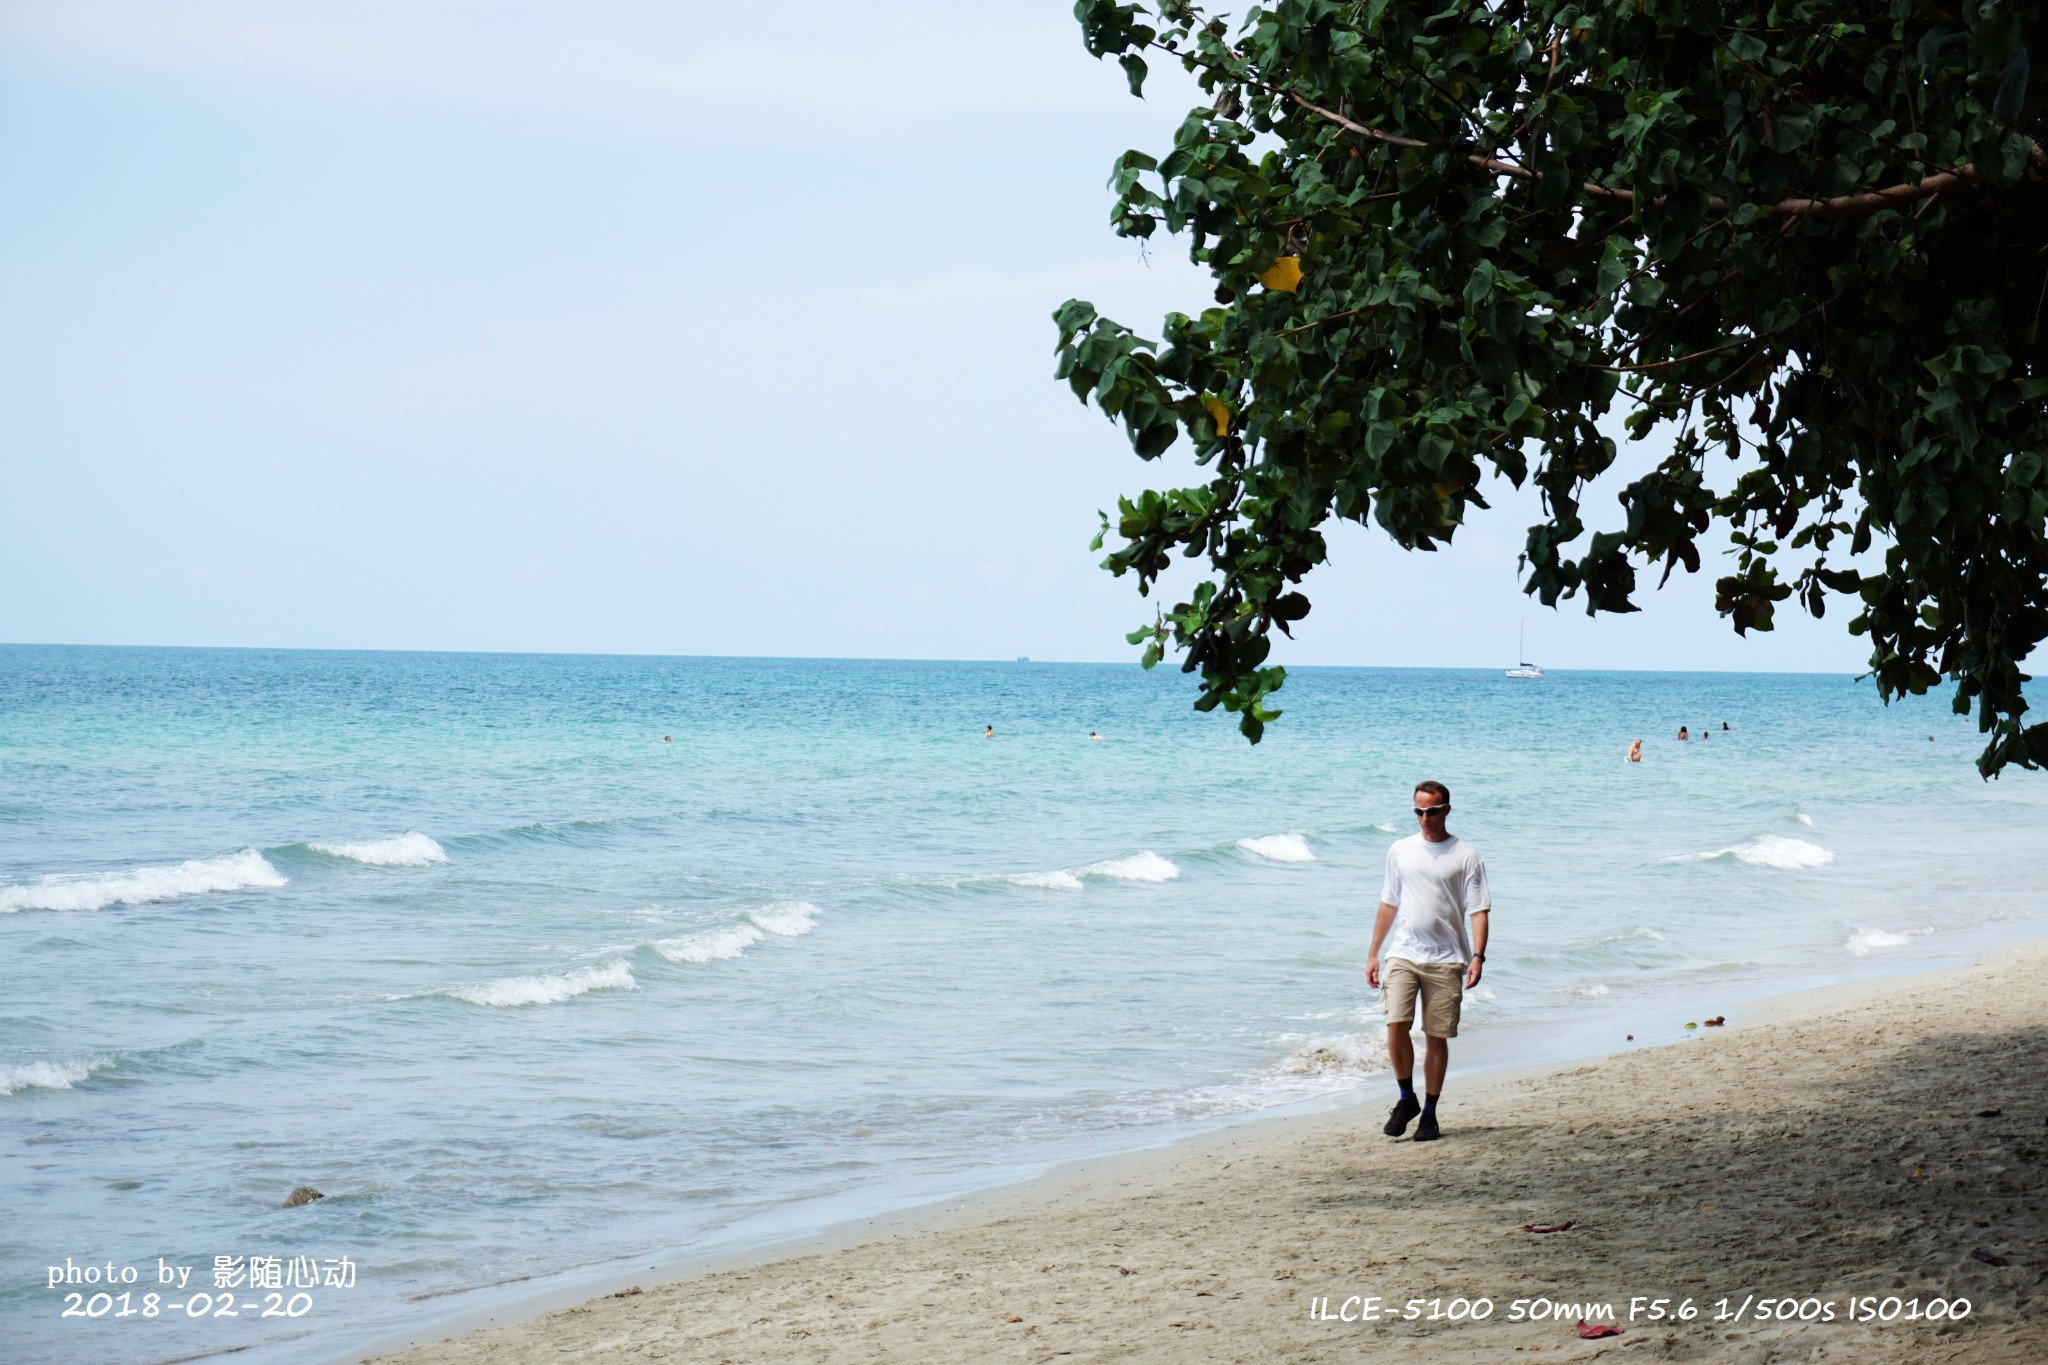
<point>1435,882</point>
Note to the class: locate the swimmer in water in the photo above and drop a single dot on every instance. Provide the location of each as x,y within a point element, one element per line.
<point>1682,734</point>
<point>1635,752</point>
<point>988,732</point>
<point>1093,735</point>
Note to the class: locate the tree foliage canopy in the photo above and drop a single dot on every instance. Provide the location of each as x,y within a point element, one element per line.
<point>1449,238</point>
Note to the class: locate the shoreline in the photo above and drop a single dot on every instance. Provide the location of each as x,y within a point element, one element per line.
<point>1068,1191</point>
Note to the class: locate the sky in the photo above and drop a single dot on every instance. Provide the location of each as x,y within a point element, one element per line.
<point>626,327</point>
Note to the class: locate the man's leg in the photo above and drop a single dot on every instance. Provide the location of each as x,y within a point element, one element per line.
<point>1436,1060</point>
<point>1442,995</point>
<point>1397,999</point>
<point>1401,1050</point>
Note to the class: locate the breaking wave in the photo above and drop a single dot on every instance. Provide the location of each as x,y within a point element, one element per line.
<point>786,919</point>
<point>1046,881</point>
<point>1344,1055</point>
<point>1864,942</point>
<point>1280,848</point>
<point>1766,850</point>
<point>712,945</point>
<point>1143,866</point>
<point>49,1075</point>
<point>511,992</point>
<point>65,891</point>
<point>411,849</point>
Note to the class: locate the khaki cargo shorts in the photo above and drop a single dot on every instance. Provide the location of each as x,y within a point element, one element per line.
<point>1441,986</point>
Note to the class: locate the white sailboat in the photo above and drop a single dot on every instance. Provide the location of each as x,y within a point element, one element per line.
<point>1525,669</point>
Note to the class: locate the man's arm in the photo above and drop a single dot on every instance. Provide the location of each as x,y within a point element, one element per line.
<point>1479,920</point>
<point>1383,922</point>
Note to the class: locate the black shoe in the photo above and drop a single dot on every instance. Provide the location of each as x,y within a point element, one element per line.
<point>1425,1131</point>
<point>1404,1112</point>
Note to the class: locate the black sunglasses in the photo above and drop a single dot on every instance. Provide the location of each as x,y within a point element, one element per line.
<point>1424,812</point>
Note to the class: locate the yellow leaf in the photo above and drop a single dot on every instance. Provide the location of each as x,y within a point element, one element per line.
<point>1220,413</point>
<point>1284,275</point>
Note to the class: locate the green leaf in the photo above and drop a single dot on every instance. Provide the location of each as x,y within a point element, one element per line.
<point>1134,72</point>
<point>2012,87</point>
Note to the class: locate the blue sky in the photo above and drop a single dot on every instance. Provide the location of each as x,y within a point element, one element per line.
<point>623,327</point>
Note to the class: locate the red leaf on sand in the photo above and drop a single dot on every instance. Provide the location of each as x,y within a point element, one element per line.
<point>1550,1227</point>
<point>1590,1330</point>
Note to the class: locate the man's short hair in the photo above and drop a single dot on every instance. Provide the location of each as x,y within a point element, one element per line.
<point>1436,789</point>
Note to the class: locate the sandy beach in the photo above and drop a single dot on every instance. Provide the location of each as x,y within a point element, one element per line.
<point>1843,1153</point>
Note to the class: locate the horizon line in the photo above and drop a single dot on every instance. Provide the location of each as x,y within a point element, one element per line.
<point>875,659</point>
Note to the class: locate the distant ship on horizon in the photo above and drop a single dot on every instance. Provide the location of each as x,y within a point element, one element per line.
<point>1525,669</point>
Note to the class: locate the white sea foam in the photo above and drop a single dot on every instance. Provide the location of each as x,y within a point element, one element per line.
<point>1864,942</point>
<point>1342,1055</point>
<point>1805,819</point>
<point>1385,828</point>
<point>411,849</point>
<point>49,1075</point>
<point>1318,1066</point>
<point>1772,850</point>
<point>513,991</point>
<point>232,872</point>
<point>1143,866</point>
<point>1046,881</point>
<point>786,919</point>
<point>712,945</point>
<point>1280,848</point>
<point>1766,850</point>
<point>1592,992</point>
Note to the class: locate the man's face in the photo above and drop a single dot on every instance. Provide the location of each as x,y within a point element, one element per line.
<point>1431,822</point>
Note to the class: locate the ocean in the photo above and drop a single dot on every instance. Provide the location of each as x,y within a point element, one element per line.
<point>540,967</point>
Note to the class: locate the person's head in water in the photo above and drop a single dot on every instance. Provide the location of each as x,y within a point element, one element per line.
<point>1683,734</point>
<point>988,732</point>
<point>1093,735</point>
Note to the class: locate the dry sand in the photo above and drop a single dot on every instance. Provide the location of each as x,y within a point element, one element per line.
<point>1829,1147</point>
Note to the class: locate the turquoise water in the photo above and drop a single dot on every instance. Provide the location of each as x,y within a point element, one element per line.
<point>525,989</point>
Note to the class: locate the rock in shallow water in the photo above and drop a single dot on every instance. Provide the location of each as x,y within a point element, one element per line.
<point>304,1194</point>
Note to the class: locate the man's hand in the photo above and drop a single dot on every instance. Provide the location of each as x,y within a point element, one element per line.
<point>1383,920</point>
<point>1481,923</point>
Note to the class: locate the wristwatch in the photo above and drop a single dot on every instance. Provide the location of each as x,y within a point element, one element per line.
<point>1479,957</point>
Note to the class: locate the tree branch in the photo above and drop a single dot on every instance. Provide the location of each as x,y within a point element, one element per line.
<point>1839,206</point>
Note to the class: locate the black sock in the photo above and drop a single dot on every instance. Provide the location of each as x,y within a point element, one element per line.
<point>1429,1106</point>
<point>1407,1084</point>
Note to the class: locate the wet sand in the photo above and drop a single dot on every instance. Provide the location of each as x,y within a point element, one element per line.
<point>1845,1146</point>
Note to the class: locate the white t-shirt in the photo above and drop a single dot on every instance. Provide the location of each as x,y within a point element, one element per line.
<point>1433,887</point>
